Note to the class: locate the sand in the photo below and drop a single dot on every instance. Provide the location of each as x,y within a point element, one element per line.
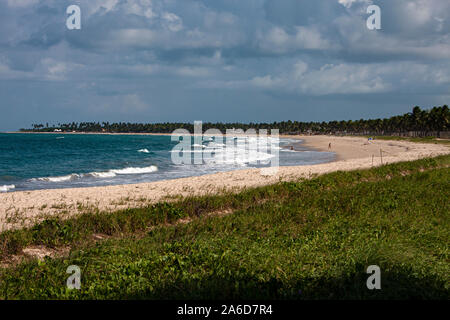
<point>24,208</point>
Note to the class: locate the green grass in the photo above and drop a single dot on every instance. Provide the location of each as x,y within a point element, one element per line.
<point>310,239</point>
<point>411,139</point>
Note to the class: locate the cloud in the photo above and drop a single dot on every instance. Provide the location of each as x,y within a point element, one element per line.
<point>172,22</point>
<point>348,3</point>
<point>279,41</point>
<point>141,8</point>
<point>347,79</point>
<point>328,79</point>
<point>54,70</point>
<point>175,55</point>
<point>99,6</point>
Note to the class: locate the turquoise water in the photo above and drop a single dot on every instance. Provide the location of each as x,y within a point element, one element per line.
<point>44,161</point>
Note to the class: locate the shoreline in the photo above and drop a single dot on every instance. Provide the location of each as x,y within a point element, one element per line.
<point>24,208</point>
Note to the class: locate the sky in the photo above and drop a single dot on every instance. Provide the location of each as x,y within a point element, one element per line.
<point>220,60</point>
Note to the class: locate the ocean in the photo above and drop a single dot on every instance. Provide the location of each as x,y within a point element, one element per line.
<point>49,161</point>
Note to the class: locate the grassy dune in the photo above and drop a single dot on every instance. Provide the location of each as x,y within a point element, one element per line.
<point>309,239</point>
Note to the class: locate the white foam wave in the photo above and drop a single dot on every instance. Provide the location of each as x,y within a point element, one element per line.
<point>6,188</point>
<point>132,170</point>
<point>237,150</point>
<point>144,150</point>
<point>105,174</point>
<point>69,177</point>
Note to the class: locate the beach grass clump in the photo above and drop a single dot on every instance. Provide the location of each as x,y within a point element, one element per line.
<point>309,239</point>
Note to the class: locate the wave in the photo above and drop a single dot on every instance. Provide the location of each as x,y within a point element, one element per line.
<point>104,174</point>
<point>132,170</point>
<point>6,188</point>
<point>69,177</point>
<point>251,150</point>
<point>144,150</point>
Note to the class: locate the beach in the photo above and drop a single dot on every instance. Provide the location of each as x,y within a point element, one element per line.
<point>24,208</point>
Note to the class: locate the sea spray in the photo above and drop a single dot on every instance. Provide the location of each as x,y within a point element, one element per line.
<point>7,188</point>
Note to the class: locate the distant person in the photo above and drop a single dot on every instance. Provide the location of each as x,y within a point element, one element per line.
<point>329,146</point>
<point>292,148</point>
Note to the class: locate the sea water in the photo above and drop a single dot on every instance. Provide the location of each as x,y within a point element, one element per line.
<point>48,161</point>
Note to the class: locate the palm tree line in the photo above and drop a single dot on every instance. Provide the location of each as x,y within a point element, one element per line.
<point>417,123</point>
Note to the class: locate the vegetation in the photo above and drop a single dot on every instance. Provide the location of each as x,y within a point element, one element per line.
<point>425,122</point>
<point>310,239</point>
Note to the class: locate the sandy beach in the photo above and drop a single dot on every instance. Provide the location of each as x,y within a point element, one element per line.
<point>23,208</point>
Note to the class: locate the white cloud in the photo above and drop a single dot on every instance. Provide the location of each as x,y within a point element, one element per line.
<point>91,7</point>
<point>310,38</point>
<point>345,78</point>
<point>277,40</point>
<point>339,79</point>
<point>420,10</point>
<point>349,3</point>
<point>51,69</point>
<point>329,79</point>
<point>172,22</point>
<point>142,8</point>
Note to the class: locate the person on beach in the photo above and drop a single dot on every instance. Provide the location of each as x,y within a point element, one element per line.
<point>329,146</point>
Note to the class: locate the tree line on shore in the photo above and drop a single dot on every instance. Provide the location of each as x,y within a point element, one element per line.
<point>423,122</point>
